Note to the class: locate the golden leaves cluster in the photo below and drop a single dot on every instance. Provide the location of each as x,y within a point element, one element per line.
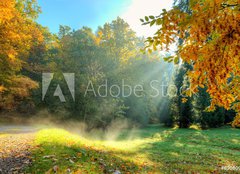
<point>209,33</point>
<point>18,33</point>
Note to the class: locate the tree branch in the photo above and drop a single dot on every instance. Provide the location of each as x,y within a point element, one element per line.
<point>229,5</point>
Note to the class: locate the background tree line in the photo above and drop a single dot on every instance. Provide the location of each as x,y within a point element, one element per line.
<point>111,53</point>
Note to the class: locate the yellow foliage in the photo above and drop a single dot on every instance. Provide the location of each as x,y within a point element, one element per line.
<point>2,88</point>
<point>184,100</point>
<point>236,121</point>
<point>18,32</point>
<point>210,37</point>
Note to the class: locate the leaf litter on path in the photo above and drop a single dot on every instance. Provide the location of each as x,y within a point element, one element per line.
<point>15,152</point>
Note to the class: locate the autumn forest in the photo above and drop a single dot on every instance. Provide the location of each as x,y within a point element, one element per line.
<point>135,89</point>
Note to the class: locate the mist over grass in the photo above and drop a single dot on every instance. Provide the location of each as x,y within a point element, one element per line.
<point>44,119</point>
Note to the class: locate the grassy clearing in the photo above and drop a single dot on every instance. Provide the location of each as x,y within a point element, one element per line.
<point>151,150</point>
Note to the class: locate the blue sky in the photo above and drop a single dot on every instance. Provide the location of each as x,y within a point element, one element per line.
<point>93,13</point>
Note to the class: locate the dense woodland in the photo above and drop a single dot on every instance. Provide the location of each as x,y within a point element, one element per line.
<point>111,53</point>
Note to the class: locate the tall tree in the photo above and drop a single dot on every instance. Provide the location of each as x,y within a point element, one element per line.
<point>18,32</point>
<point>180,105</point>
<point>203,118</point>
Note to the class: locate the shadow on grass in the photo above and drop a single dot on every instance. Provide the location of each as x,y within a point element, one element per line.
<point>187,150</point>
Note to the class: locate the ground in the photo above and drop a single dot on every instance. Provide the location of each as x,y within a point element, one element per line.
<point>154,149</point>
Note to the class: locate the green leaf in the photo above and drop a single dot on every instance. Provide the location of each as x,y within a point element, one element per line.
<point>151,17</point>
<point>159,21</point>
<point>141,20</point>
<point>176,60</point>
<point>146,18</point>
<point>152,23</point>
<point>168,59</point>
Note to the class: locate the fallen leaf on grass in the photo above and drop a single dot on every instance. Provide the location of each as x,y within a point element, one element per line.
<point>48,156</point>
<point>116,172</point>
<point>55,168</point>
<point>71,161</point>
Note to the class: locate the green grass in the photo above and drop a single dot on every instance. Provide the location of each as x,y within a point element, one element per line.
<point>150,150</point>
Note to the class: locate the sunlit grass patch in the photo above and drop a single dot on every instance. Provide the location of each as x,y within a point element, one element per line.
<point>196,127</point>
<point>60,150</point>
<point>3,135</point>
<point>149,150</point>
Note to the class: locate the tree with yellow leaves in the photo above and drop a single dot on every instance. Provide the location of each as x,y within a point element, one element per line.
<point>18,32</point>
<point>209,32</point>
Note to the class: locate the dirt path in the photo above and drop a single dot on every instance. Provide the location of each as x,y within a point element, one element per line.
<point>15,152</point>
<point>17,129</point>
